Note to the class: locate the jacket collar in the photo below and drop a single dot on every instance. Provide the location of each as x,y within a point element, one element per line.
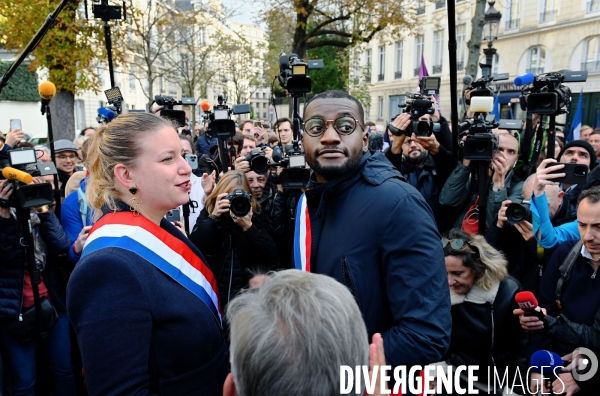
<point>477,295</point>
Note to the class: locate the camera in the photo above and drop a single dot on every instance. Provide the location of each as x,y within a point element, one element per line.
<point>167,112</point>
<point>295,174</point>
<point>417,106</point>
<point>292,73</point>
<point>220,125</point>
<point>547,95</point>
<point>481,143</point>
<point>481,87</point>
<point>21,164</point>
<point>258,162</point>
<point>518,212</point>
<point>240,202</point>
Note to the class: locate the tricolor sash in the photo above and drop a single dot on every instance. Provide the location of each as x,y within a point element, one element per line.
<point>302,236</point>
<point>170,255</point>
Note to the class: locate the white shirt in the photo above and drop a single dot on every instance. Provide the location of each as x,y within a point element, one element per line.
<point>196,194</point>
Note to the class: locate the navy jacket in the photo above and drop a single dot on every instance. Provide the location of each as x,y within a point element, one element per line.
<point>139,331</point>
<point>204,143</point>
<point>13,263</point>
<point>376,234</point>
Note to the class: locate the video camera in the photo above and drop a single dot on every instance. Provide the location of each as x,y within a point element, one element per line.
<point>481,143</point>
<point>167,112</point>
<point>546,94</point>
<point>20,167</point>
<point>220,125</point>
<point>295,174</point>
<point>418,105</point>
<point>292,73</point>
<point>482,87</point>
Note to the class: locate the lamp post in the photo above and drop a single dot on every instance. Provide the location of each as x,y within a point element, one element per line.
<point>490,33</point>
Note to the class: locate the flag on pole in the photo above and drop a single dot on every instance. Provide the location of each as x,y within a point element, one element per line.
<point>576,125</point>
<point>496,110</point>
<point>424,73</point>
<point>511,115</point>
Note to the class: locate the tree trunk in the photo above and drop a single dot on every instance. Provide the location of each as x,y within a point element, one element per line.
<point>474,43</point>
<point>62,109</point>
<point>299,46</point>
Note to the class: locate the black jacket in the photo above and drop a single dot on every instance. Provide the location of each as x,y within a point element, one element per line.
<point>375,234</point>
<point>13,263</point>
<point>234,254</point>
<point>486,333</point>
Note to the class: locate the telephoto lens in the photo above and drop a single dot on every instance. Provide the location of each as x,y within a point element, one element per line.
<point>518,212</point>
<point>240,202</point>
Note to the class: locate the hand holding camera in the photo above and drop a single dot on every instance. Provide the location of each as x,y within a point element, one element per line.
<point>222,205</point>
<point>244,221</point>
<point>429,143</point>
<point>242,164</point>
<point>6,189</point>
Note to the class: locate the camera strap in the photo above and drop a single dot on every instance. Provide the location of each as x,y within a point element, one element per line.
<point>537,147</point>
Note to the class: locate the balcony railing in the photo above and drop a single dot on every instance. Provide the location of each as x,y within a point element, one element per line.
<point>440,4</point>
<point>380,77</point>
<point>437,69</point>
<point>421,10</point>
<point>460,65</point>
<point>397,74</point>
<point>548,16</point>
<point>417,71</point>
<point>592,6</point>
<point>591,67</point>
<point>535,70</point>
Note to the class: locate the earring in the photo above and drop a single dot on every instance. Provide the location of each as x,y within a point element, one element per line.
<point>133,190</point>
<point>134,205</point>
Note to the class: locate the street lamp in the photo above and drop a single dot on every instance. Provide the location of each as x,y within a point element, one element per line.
<point>490,32</point>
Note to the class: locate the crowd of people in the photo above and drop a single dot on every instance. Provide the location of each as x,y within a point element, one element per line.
<point>267,290</point>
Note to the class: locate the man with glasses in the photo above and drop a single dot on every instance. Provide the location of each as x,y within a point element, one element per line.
<point>66,160</point>
<point>360,223</point>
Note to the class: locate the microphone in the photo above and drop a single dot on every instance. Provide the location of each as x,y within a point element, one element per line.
<point>525,79</point>
<point>528,303</point>
<point>205,105</point>
<point>47,90</point>
<point>15,174</point>
<point>105,115</point>
<point>467,80</point>
<point>545,360</point>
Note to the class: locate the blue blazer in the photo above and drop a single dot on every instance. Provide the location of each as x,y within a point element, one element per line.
<point>139,331</point>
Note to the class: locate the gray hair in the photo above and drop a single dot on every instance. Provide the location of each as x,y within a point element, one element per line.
<point>291,336</point>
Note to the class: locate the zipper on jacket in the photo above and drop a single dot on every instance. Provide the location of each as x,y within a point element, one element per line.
<point>493,331</point>
<point>349,282</point>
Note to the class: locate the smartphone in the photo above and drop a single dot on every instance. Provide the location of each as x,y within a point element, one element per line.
<point>192,161</point>
<point>15,124</point>
<point>574,173</point>
<point>173,215</point>
<point>257,124</point>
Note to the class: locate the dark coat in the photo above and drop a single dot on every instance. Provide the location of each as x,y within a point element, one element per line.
<point>139,331</point>
<point>204,144</point>
<point>13,263</point>
<point>232,253</point>
<point>376,234</point>
<point>486,333</point>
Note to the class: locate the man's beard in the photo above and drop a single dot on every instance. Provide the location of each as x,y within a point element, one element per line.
<point>330,172</point>
<point>418,160</point>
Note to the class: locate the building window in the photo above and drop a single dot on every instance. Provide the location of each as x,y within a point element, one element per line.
<point>536,60</point>
<point>420,7</point>
<point>438,51</point>
<point>395,102</point>
<point>202,36</point>
<point>368,64</point>
<point>264,95</point>
<point>592,6</point>
<point>355,67</point>
<point>548,11</point>
<point>381,75</point>
<point>418,53</point>
<point>461,47</point>
<point>380,108</point>
<point>440,4</point>
<point>132,77</point>
<point>591,55</point>
<point>398,60</point>
<point>512,14</point>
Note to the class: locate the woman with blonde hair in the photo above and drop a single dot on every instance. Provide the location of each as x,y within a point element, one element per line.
<point>231,232</point>
<point>484,330</point>
<point>142,300</point>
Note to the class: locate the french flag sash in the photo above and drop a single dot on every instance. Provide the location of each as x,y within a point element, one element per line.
<point>302,236</point>
<point>170,255</point>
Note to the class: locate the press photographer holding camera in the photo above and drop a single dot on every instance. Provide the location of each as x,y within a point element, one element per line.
<point>231,232</point>
<point>423,161</point>
<point>18,332</point>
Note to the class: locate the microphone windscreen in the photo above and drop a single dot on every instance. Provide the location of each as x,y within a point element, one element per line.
<point>467,79</point>
<point>47,90</point>
<point>205,105</point>
<point>525,79</point>
<point>15,174</point>
<point>550,361</point>
<point>106,113</point>
<point>526,300</point>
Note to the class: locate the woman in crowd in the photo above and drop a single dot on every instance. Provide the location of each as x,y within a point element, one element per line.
<point>142,300</point>
<point>18,334</point>
<point>236,246</point>
<point>484,330</point>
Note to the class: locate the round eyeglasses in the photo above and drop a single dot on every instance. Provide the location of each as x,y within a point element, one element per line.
<point>316,126</point>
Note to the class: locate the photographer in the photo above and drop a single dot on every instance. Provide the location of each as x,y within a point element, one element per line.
<point>236,247</point>
<point>204,143</point>
<point>460,192</point>
<point>17,322</point>
<point>423,161</point>
<point>283,130</point>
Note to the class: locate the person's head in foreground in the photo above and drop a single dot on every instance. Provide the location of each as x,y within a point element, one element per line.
<point>291,335</point>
